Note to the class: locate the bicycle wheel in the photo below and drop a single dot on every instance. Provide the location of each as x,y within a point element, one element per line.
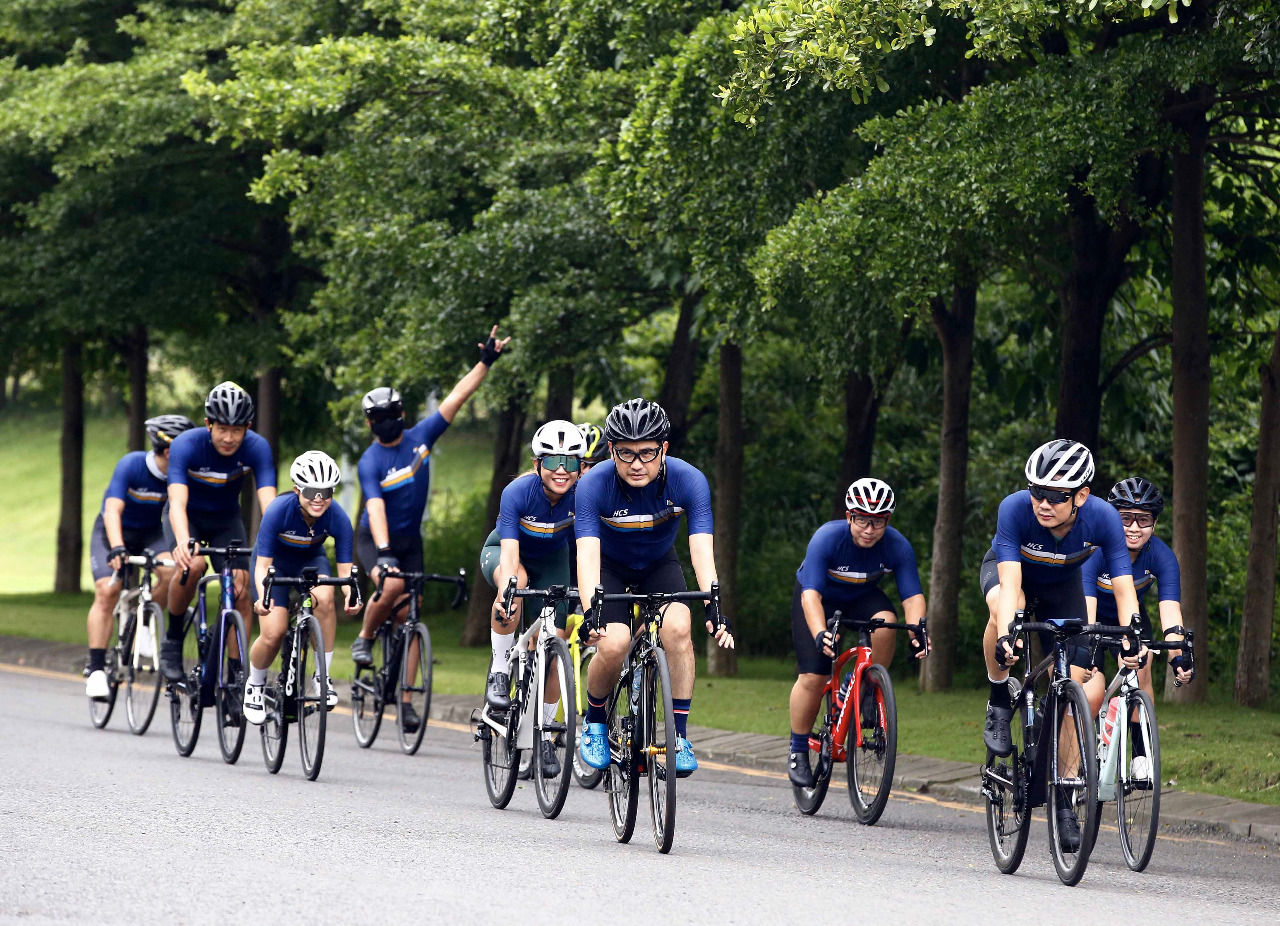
<point>185,707</point>
<point>659,750</point>
<point>1006,783</point>
<point>586,776</point>
<point>500,756</point>
<point>622,777</point>
<point>560,731</point>
<point>228,692</point>
<point>100,708</point>
<point>1138,799</point>
<point>313,692</point>
<point>142,692</point>
<point>413,687</point>
<point>870,766</point>
<point>1072,778</point>
<point>808,800</point>
<point>366,699</point>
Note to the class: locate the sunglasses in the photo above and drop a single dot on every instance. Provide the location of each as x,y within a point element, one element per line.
<point>310,493</point>
<point>1052,496</point>
<point>395,410</point>
<point>553,461</point>
<point>869,520</point>
<point>1142,520</point>
<point>647,455</point>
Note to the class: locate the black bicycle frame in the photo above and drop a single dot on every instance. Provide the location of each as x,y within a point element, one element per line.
<point>211,677</point>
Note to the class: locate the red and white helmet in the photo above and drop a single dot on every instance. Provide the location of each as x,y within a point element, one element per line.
<point>869,496</point>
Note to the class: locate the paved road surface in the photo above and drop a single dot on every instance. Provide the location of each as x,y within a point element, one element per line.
<point>107,827</point>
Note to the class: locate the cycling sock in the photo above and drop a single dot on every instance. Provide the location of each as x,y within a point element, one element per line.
<point>257,676</point>
<point>799,742</point>
<point>173,630</point>
<point>1135,737</point>
<point>328,663</point>
<point>999,692</point>
<point>502,643</point>
<point>680,707</point>
<point>596,709</point>
<point>549,711</point>
<point>97,659</point>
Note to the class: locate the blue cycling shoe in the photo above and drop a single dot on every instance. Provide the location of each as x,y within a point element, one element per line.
<point>595,746</point>
<point>686,762</point>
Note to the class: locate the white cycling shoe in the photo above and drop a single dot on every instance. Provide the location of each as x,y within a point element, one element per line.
<point>331,698</point>
<point>96,685</point>
<point>255,703</point>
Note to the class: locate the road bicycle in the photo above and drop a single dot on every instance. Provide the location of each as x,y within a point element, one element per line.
<point>641,722</point>
<point>1126,730</point>
<point>213,672</point>
<point>401,657</point>
<point>1058,770</point>
<point>537,657</point>
<point>298,692</point>
<point>133,653</point>
<point>580,656</point>
<point>846,731</point>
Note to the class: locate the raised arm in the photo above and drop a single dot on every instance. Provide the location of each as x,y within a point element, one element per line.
<point>490,351</point>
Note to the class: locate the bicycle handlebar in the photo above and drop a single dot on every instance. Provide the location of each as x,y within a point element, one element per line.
<point>310,579</point>
<point>195,548</point>
<point>838,620</point>
<point>460,580</point>
<point>599,599</point>
<point>147,560</point>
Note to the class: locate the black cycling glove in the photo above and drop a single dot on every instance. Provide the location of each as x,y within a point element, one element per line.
<point>387,560</point>
<point>823,639</point>
<point>1012,640</point>
<point>917,641</point>
<point>490,352</point>
<point>121,552</point>
<point>1183,661</point>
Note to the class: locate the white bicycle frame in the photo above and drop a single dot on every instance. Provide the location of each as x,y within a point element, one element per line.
<point>1113,768</point>
<point>136,599</point>
<point>520,655</point>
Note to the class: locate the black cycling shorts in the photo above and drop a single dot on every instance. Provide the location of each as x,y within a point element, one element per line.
<point>407,548</point>
<point>214,530</point>
<point>662,575</point>
<point>135,541</point>
<point>809,659</point>
<point>1061,601</point>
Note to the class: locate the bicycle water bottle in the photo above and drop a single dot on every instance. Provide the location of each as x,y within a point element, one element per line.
<point>1109,722</point>
<point>845,686</point>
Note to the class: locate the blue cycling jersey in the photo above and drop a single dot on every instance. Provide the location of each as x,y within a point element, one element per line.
<point>1155,564</point>
<point>140,485</point>
<point>839,570</point>
<point>400,476</point>
<point>637,527</point>
<point>527,516</point>
<point>285,533</point>
<point>1045,559</point>
<point>212,480</point>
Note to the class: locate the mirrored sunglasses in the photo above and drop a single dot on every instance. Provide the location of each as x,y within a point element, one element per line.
<point>553,462</point>
<point>313,492</point>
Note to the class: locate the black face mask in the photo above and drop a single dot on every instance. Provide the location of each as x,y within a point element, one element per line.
<point>388,429</point>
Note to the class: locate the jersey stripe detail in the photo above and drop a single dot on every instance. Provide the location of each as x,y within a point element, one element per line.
<point>543,529</point>
<point>217,479</point>
<point>1056,559</point>
<point>145,497</point>
<point>399,478</point>
<point>643,522</point>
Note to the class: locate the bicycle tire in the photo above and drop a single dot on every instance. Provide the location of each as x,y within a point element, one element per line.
<point>1139,818</point>
<point>622,776</point>
<point>586,776</point>
<point>100,709</point>
<point>142,692</point>
<point>659,750</point>
<point>419,692</point>
<point>312,695</point>
<point>500,756</point>
<point>274,728</point>
<point>228,692</point>
<point>1008,815</point>
<point>186,709</point>
<point>1082,772</point>
<point>809,800</point>
<point>551,792</point>
<point>366,705</point>
<point>869,767</point>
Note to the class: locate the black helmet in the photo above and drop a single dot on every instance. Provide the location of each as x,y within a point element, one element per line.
<point>228,404</point>
<point>1136,492</point>
<point>637,419</point>
<point>162,429</point>
<point>596,449</point>
<point>383,402</point>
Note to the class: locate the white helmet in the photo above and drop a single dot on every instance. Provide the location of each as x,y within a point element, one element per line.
<point>1060,464</point>
<point>315,469</point>
<point>869,496</point>
<point>559,436</point>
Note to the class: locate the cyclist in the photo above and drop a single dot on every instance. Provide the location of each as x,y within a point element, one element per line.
<point>395,482</point>
<point>291,538</point>
<point>1139,504</point>
<point>206,467</point>
<point>532,542</point>
<point>128,523</point>
<point>626,517</point>
<point>1043,536</point>
<point>597,450</point>
<point>842,568</point>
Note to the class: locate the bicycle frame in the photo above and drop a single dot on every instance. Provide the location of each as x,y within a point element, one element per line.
<point>400,631</point>
<point>860,656</point>
<point>136,598</point>
<point>210,677</point>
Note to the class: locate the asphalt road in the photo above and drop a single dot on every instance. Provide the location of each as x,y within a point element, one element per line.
<point>107,827</point>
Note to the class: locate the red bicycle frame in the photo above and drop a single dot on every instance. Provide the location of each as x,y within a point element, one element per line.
<point>848,709</point>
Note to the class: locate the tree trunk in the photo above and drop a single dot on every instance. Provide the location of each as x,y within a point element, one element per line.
<point>861,413</point>
<point>71,446</point>
<point>508,451</point>
<point>1191,381</point>
<point>955,333</point>
<point>728,502</point>
<point>560,393</point>
<point>267,414</point>
<point>1253,661</point>
<point>136,358</point>
<point>682,362</point>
